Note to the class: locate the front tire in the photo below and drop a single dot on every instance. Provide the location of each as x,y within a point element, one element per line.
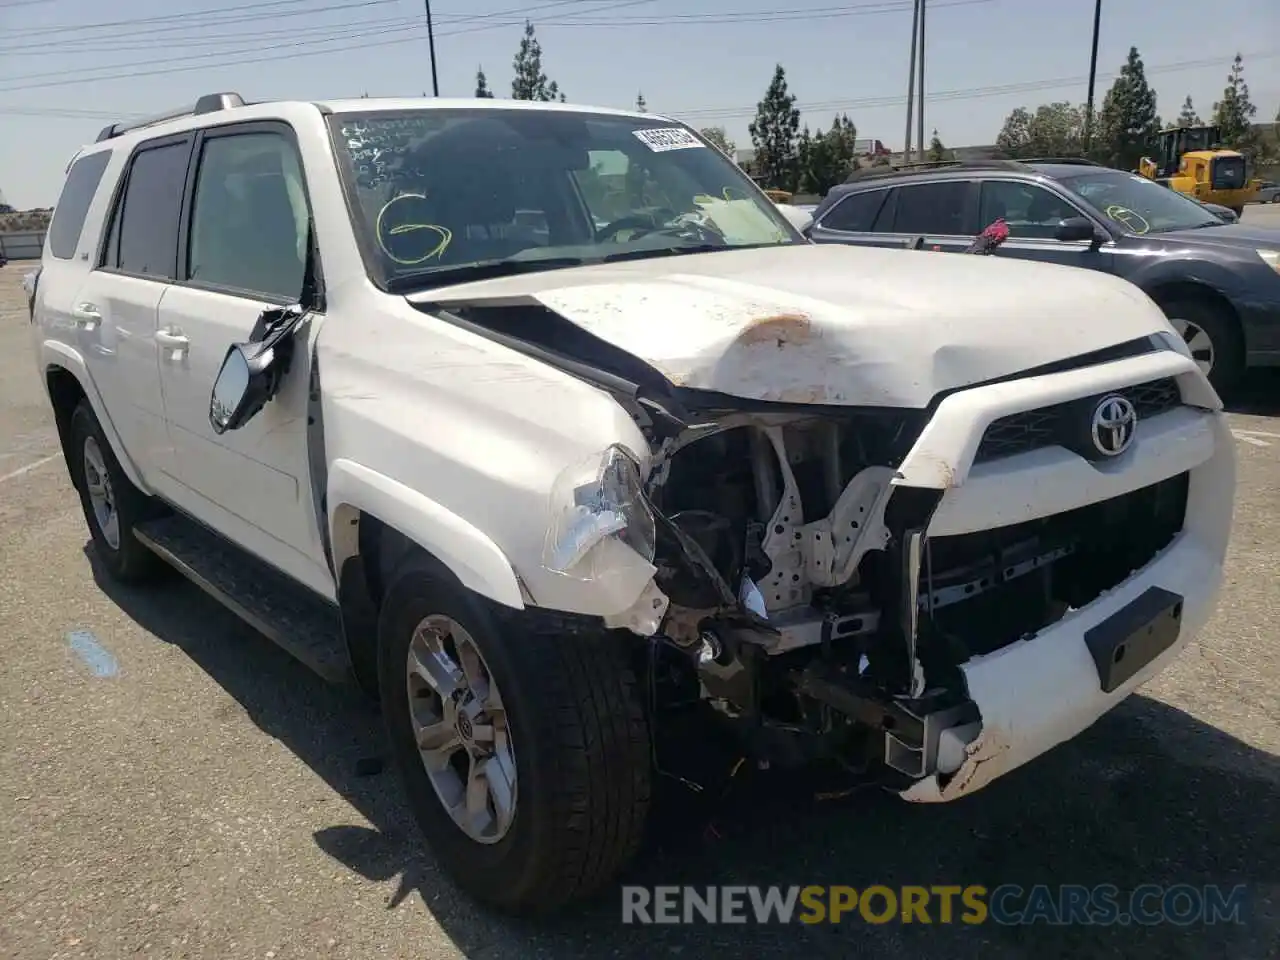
<point>1214,338</point>
<point>112,504</point>
<point>524,754</point>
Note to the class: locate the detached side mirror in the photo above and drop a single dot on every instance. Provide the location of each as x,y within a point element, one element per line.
<point>243,387</point>
<point>1075,229</point>
<point>251,372</point>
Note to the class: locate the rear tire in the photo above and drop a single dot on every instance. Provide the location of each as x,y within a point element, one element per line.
<point>1214,337</point>
<point>112,504</point>
<point>556,724</point>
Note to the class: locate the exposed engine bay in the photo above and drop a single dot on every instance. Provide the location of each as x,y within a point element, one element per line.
<point>808,607</point>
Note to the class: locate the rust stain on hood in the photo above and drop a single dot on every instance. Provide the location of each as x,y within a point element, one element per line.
<point>781,329</point>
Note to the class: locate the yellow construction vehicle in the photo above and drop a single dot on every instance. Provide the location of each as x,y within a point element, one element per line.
<point>1191,160</point>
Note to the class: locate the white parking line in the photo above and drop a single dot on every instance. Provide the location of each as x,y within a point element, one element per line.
<point>1251,437</point>
<point>22,471</point>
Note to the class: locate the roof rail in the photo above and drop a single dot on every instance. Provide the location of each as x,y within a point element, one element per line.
<point>1081,161</point>
<point>870,173</point>
<point>209,103</point>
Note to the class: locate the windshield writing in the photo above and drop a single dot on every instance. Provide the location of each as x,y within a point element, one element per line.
<point>1140,205</point>
<point>444,190</point>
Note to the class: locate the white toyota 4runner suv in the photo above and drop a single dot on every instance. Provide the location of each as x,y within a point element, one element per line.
<point>542,421</point>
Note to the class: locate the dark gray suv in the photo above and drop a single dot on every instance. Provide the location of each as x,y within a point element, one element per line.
<point>1219,283</point>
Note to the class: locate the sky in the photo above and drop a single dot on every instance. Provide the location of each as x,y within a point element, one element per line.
<point>69,67</point>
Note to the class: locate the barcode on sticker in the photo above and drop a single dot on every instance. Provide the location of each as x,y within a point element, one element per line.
<point>667,138</point>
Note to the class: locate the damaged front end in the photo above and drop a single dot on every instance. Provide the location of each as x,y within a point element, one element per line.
<point>782,570</point>
<point>824,576</point>
<point>789,579</point>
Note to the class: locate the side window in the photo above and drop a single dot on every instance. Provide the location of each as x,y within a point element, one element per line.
<point>936,209</point>
<point>144,230</point>
<point>249,217</point>
<point>1030,211</point>
<point>73,205</point>
<point>856,213</point>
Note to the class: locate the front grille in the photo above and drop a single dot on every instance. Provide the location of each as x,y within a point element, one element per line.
<point>981,591</point>
<point>1047,426</point>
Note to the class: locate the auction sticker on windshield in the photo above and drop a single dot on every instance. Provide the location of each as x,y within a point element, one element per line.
<point>661,139</point>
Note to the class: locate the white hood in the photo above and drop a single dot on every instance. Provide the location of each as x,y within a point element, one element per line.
<point>834,324</point>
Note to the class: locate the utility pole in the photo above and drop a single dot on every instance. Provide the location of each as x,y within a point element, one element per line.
<point>920,106</point>
<point>911,81</point>
<point>431,45</point>
<point>1093,70</point>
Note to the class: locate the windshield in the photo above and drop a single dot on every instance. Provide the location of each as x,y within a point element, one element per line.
<point>445,195</point>
<point>1139,205</point>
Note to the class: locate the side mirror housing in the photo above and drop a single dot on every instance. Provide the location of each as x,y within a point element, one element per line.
<point>243,386</point>
<point>1075,229</point>
<point>802,220</point>
<point>251,372</point>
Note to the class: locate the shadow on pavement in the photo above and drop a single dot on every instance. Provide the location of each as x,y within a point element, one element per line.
<point>1149,795</point>
<point>1258,394</point>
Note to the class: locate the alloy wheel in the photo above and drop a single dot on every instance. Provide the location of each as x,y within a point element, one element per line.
<point>460,725</point>
<point>1198,342</point>
<point>101,497</point>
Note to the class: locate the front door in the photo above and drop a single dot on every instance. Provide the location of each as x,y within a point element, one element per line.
<point>243,252</point>
<point>1033,214</point>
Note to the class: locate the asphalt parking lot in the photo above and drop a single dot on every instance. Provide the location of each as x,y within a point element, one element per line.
<point>200,795</point>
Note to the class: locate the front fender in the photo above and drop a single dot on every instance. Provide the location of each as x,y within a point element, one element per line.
<point>54,354</point>
<point>472,557</point>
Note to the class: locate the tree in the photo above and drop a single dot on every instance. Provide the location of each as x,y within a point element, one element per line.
<point>720,140</point>
<point>482,85</point>
<point>1128,122</point>
<point>826,159</point>
<point>937,152</point>
<point>1015,135</point>
<point>1188,117</point>
<point>641,106</point>
<point>529,82</point>
<point>1054,130</point>
<point>774,132</point>
<point>1234,113</point>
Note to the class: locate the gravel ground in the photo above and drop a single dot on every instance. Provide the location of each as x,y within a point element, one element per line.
<point>207,798</point>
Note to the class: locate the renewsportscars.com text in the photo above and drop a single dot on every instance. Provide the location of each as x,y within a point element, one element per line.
<point>1007,904</point>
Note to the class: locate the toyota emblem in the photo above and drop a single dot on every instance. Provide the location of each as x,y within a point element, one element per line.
<point>1114,422</point>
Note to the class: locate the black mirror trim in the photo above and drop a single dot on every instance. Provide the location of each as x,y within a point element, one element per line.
<point>267,354</point>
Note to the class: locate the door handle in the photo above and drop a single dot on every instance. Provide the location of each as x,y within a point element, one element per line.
<point>86,315</point>
<point>173,343</point>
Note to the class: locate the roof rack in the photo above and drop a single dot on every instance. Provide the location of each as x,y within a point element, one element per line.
<point>1075,161</point>
<point>857,176</point>
<point>209,103</point>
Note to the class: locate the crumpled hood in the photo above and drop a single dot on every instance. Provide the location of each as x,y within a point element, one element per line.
<point>833,324</point>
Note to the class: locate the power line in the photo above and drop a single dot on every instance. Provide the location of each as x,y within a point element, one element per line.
<point>705,113</point>
<point>969,93</point>
<point>130,37</point>
<point>405,34</point>
<point>503,17</point>
<point>188,15</point>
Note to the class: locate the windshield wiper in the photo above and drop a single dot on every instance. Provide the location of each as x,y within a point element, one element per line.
<point>479,270</point>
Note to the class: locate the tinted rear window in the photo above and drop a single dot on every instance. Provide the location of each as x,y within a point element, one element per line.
<point>77,193</point>
<point>932,208</point>
<point>855,213</point>
<point>145,232</point>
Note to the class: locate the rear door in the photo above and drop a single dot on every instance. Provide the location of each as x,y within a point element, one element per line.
<point>114,311</point>
<point>942,212</point>
<point>853,220</point>
<point>1033,214</point>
